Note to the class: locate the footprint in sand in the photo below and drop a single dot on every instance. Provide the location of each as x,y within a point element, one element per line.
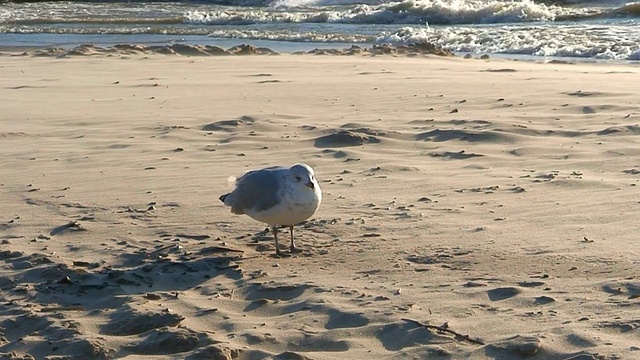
<point>169,341</point>
<point>126,323</point>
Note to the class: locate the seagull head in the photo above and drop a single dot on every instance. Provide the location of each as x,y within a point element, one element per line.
<point>303,174</point>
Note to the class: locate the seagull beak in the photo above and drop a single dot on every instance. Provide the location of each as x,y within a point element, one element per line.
<point>310,185</point>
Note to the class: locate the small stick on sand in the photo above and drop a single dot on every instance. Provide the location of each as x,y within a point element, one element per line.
<point>212,249</point>
<point>63,308</point>
<point>163,248</point>
<point>445,330</point>
<point>73,225</point>
<point>235,266</point>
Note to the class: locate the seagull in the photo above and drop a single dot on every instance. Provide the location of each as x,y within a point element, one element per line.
<point>276,196</point>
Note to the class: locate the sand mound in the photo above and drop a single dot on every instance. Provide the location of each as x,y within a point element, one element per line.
<point>424,48</point>
<point>243,49</point>
<point>229,125</point>
<point>344,138</point>
<point>441,135</point>
<point>132,323</point>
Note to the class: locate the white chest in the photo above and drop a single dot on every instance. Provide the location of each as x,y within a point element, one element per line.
<point>295,205</point>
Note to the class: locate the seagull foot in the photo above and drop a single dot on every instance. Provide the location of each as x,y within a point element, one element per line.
<point>280,254</point>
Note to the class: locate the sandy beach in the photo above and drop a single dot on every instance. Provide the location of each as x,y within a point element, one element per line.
<point>472,209</point>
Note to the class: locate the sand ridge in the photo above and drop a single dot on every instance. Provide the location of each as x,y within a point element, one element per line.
<point>212,50</point>
<point>497,205</point>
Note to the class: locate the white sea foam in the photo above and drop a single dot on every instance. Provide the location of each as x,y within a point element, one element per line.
<point>321,3</point>
<point>291,36</point>
<point>405,12</point>
<point>584,41</point>
<point>5,15</point>
<point>293,3</point>
<point>337,11</point>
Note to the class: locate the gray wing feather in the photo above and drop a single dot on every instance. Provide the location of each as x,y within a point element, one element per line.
<point>256,190</point>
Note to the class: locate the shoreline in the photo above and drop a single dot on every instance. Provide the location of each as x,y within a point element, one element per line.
<point>249,49</point>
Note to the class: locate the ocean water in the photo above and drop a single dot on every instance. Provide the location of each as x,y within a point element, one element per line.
<point>585,29</point>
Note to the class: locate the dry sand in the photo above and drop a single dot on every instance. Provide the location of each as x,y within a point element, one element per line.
<point>493,199</point>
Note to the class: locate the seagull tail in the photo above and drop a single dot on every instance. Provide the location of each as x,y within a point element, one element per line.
<point>223,197</point>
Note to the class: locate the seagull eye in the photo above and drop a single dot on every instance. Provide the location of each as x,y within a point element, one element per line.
<point>298,178</point>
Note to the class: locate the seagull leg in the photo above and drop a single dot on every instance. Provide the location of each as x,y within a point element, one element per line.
<point>292,247</point>
<point>275,236</point>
